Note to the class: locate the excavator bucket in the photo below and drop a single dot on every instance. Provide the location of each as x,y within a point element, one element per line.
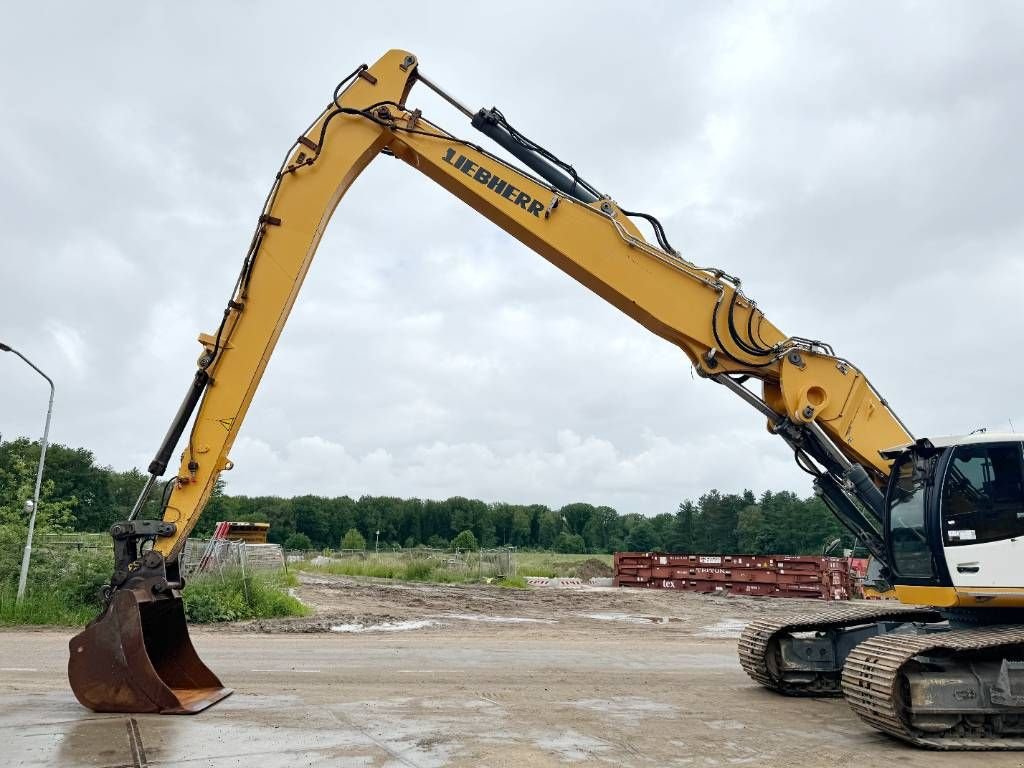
<point>137,657</point>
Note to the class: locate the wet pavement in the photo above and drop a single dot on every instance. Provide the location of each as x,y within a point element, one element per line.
<point>309,700</point>
<point>615,689</point>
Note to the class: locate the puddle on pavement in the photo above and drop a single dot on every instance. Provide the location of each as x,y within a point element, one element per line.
<point>499,619</point>
<point>387,626</point>
<point>427,733</point>
<point>220,737</point>
<point>727,629</point>
<point>627,709</point>
<point>632,618</point>
<point>572,746</point>
<point>413,624</point>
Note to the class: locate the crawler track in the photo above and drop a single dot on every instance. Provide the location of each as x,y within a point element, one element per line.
<point>873,684</point>
<point>758,653</point>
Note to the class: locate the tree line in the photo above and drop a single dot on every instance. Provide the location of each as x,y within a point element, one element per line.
<point>80,495</point>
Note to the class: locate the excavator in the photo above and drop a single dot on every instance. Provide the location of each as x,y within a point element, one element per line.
<point>943,668</point>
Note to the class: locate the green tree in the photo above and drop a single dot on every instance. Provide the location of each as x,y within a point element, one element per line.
<point>719,515</point>
<point>522,526</point>
<point>641,536</point>
<point>681,537</point>
<point>549,525</point>
<point>312,518</point>
<point>570,543</point>
<point>576,516</point>
<point>298,541</point>
<point>751,535</point>
<point>353,539</point>
<point>465,540</point>
<point>17,484</point>
<point>600,528</point>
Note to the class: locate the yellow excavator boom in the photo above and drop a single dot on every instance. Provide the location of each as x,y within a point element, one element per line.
<point>820,404</point>
<point>595,243</point>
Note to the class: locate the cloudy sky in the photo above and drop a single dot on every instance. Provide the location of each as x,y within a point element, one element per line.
<point>859,165</point>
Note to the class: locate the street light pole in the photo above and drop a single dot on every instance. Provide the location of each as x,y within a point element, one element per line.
<point>27,557</point>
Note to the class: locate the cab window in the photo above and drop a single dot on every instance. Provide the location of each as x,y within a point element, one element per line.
<point>983,494</point>
<point>911,555</point>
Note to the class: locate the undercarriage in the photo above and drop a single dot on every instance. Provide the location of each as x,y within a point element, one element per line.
<point>905,671</point>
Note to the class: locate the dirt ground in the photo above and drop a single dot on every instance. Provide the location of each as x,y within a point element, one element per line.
<point>356,605</point>
<point>431,675</point>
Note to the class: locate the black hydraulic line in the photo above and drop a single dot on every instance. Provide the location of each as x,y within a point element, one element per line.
<point>547,155</point>
<point>490,123</point>
<point>659,231</point>
<point>750,350</point>
<point>851,516</point>
<point>188,406</point>
<point>166,495</point>
<point>866,491</point>
<point>721,346</point>
<point>760,318</point>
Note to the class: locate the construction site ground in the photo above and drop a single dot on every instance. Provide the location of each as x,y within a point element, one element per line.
<point>387,674</point>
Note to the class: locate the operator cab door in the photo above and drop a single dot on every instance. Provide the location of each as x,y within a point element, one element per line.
<point>982,515</point>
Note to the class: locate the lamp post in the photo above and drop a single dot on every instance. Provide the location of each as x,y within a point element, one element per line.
<point>34,508</point>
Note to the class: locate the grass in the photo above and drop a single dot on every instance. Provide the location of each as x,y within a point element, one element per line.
<point>418,570</point>
<point>230,596</point>
<point>213,598</point>
<point>512,582</point>
<point>66,595</point>
<point>388,567</point>
<point>42,606</point>
<point>397,568</point>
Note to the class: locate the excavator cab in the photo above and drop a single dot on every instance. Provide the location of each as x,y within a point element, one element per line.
<point>136,656</point>
<point>954,517</point>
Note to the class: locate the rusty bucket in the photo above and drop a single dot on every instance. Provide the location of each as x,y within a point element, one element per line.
<point>137,657</point>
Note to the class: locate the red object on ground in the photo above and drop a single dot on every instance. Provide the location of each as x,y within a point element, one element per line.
<point>824,578</point>
<point>859,566</point>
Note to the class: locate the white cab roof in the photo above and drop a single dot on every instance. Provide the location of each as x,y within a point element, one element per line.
<point>946,441</point>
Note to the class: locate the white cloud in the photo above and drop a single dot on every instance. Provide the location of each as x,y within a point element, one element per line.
<point>863,180</point>
<point>571,468</point>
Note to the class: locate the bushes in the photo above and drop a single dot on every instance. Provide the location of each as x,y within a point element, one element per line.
<point>569,543</point>
<point>465,541</point>
<point>230,596</point>
<point>353,539</point>
<point>63,587</point>
<point>42,606</point>
<point>298,541</point>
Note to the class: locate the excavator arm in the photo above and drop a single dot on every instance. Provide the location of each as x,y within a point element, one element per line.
<point>820,404</point>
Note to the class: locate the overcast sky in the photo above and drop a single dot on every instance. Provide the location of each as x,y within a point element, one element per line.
<point>859,165</point>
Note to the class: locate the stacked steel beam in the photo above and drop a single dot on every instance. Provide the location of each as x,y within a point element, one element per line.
<point>824,578</point>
